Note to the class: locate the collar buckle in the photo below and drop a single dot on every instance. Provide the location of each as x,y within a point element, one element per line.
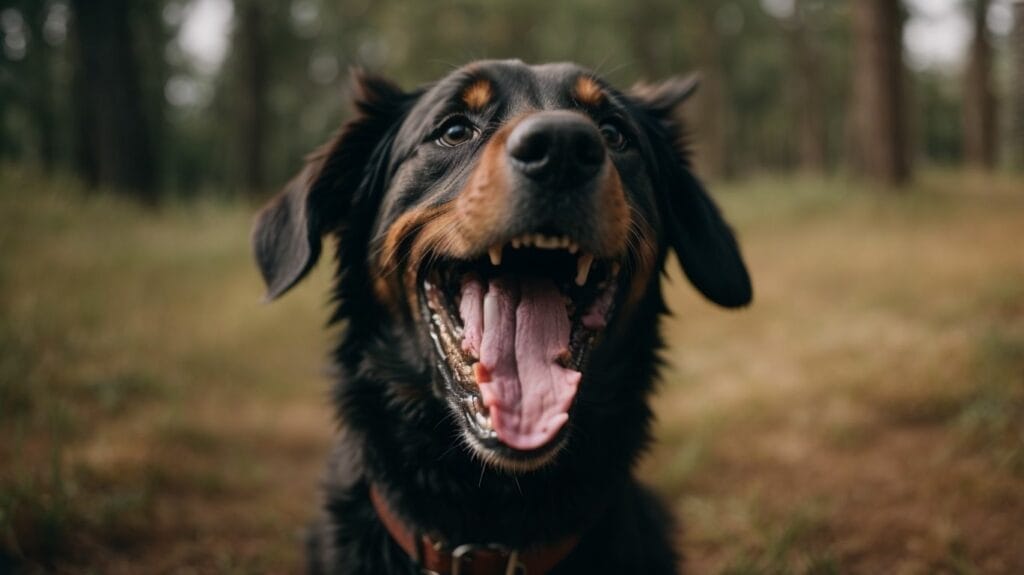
<point>464,554</point>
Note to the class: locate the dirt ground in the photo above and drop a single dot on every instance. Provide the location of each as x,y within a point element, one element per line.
<point>865,415</point>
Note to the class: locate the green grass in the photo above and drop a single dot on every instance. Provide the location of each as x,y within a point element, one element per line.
<point>993,415</point>
<point>865,415</point>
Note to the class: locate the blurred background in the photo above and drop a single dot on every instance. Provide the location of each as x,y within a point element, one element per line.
<point>865,415</point>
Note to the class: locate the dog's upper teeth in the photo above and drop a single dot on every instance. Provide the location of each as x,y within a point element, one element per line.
<point>495,254</point>
<point>544,242</point>
<point>549,242</point>
<point>583,268</point>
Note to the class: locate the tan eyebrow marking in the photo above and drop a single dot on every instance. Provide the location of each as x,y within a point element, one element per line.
<point>477,95</point>
<point>588,92</point>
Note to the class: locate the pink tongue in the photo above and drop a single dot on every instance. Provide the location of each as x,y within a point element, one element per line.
<point>520,332</point>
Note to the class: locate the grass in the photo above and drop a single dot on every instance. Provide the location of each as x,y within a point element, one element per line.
<point>146,396</point>
<point>878,376</point>
<point>866,415</point>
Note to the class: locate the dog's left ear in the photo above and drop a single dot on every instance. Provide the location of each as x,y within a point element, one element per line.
<point>704,243</point>
<point>286,237</point>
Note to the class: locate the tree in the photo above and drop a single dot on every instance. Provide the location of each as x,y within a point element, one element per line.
<point>809,92</point>
<point>979,112</point>
<point>878,118</point>
<point>1018,90</point>
<point>40,84</point>
<point>250,91</point>
<point>114,134</point>
<point>712,111</point>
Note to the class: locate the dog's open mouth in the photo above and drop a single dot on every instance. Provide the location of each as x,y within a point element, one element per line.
<point>512,330</point>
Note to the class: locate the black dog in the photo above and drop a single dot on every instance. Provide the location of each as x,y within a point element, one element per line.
<point>500,235</point>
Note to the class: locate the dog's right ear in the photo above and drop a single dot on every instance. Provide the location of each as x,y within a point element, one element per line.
<point>286,236</point>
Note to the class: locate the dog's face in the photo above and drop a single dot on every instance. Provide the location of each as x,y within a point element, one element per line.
<point>511,216</point>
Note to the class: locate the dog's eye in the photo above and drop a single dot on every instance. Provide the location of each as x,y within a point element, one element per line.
<point>613,136</point>
<point>456,131</point>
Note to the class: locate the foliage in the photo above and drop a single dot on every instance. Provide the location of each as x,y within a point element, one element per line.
<point>200,116</point>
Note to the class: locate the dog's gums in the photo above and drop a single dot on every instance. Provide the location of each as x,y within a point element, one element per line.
<point>512,331</point>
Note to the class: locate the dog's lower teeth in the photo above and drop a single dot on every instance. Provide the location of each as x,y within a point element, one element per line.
<point>483,420</point>
<point>479,407</point>
<point>583,268</point>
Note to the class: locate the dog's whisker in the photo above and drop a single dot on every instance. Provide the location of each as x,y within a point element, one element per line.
<point>448,451</point>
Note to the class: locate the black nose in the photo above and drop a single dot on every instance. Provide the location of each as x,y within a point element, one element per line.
<point>557,147</point>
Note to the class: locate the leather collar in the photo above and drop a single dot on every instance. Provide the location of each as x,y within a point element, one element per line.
<point>437,558</point>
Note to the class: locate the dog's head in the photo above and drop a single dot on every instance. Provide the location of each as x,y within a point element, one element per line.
<point>507,216</point>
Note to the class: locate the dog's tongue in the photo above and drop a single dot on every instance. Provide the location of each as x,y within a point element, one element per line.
<point>521,330</point>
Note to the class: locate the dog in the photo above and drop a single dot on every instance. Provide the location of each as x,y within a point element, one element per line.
<point>500,235</point>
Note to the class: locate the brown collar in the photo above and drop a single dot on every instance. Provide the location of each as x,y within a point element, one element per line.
<point>434,558</point>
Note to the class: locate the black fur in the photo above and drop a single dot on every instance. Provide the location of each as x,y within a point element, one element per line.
<point>397,434</point>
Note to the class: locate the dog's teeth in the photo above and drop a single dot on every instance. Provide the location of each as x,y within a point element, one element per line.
<point>490,313</point>
<point>483,421</point>
<point>544,242</point>
<point>495,254</point>
<point>583,268</point>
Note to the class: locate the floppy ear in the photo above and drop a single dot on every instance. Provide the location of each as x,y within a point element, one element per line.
<point>704,243</point>
<point>286,236</point>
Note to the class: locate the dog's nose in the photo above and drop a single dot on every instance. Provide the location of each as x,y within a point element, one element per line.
<point>558,147</point>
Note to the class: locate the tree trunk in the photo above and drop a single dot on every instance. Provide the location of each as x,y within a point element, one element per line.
<point>1018,90</point>
<point>115,144</point>
<point>808,97</point>
<point>878,109</point>
<point>979,101</point>
<point>40,77</point>
<point>645,17</point>
<point>250,91</point>
<point>711,115</point>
